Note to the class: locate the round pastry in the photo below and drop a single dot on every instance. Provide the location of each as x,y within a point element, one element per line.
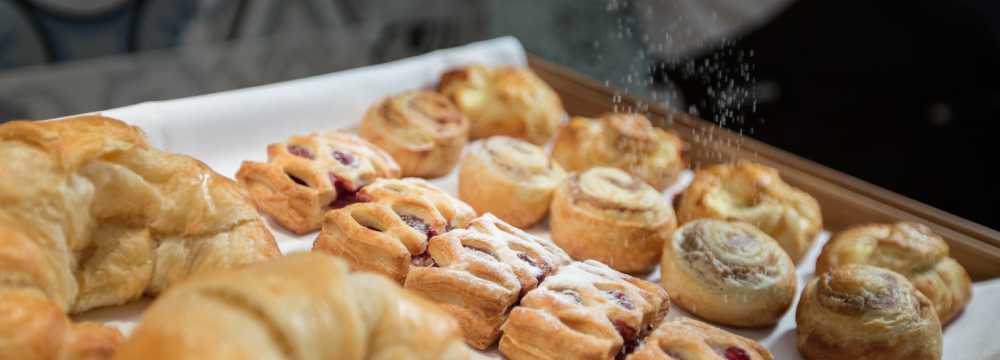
<point>912,250</point>
<point>625,141</point>
<point>504,101</point>
<point>510,178</point>
<point>608,215</point>
<point>422,130</point>
<point>692,339</point>
<point>755,194</point>
<point>866,312</point>
<point>728,272</point>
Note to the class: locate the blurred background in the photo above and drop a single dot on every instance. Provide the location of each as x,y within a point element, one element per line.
<point>902,94</point>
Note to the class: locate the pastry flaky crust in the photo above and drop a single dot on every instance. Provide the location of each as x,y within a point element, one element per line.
<point>865,312</point>
<point>608,215</point>
<point>684,339</point>
<point>479,272</point>
<point>728,272</point>
<point>509,178</point>
<point>422,130</point>
<point>307,175</point>
<point>92,215</point>
<point>391,227</point>
<point>755,194</point>
<point>585,310</point>
<point>910,249</point>
<point>625,141</point>
<point>507,101</point>
<point>304,306</point>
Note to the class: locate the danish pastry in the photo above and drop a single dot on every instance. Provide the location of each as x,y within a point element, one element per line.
<point>510,178</point>
<point>307,175</point>
<point>692,339</point>
<point>608,215</point>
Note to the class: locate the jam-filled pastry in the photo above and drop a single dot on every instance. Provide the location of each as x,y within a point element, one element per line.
<point>307,175</point>
<point>910,249</point>
<point>389,229</point>
<point>755,194</point>
<point>510,178</point>
<point>585,310</point>
<point>684,339</point>
<point>728,272</point>
<point>479,272</point>
<point>422,130</point>
<point>509,101</point>
<point>866,312</point>
<point>608,215</point>
<point>625,141</point>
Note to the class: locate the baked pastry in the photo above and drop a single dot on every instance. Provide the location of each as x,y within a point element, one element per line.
<point>585,310</point>
<point>93,216</point>
<point>307,175</point>
<point>303,306</point>
<point>478,273</point>
<point>390,228</point>
<point>910,249</point>
<point>728,272</point>
<point>508,101</point>
<point>755,194</point>
<point>422,130</point>
<point>510,178</point>
<point>866,312</point>
<point>608,215</point>
<point>692,339</point>
<point>625,141</point>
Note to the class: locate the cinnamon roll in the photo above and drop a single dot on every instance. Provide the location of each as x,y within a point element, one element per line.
<point>504,101</point>
<point>625,141</point>
<point>910,249</point>
<point>755,194</point>
<point>692,339</point>
<point>422,130</point>
<point>510,178</point>
<point>865,312</point>
<point>608,215</point>
<point>728,272</point>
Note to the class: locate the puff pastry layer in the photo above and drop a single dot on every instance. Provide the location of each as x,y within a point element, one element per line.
<point>684,339</point>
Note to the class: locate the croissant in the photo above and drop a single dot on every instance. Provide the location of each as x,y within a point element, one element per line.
<point>92,215</point>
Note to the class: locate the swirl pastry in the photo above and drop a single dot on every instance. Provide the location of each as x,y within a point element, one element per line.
<point>610,216</point>
<point>585,310</point>
<point>912,250</point>
<point>389,229</point>
<point>478,273</point>
<point>510,178</point>
<point>422,130</point>
<point>865,312</point>
<point>692,339</point>
<point>625,141</point>
<point>307,175</point>
<point>303,306</point>
<point>755,194</point>
<point>728,272</point>
<point>504,101</point>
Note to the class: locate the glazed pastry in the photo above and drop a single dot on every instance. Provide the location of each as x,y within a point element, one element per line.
<point>307,175</point>
<point>422,130</point>
<point>504,101</point>
<point>390,228</point>
<point>510,178</point>
<point>755,194</point>
<point>610,216</point>
<point>303,306</point>
<point>585,310</point>
<point>865,312</point>
<point>94,216</point>
<point>625,141</point>
<point>478,273</point>
<point>912,250</point>
<point>692,339</point>
<point>728,272</point>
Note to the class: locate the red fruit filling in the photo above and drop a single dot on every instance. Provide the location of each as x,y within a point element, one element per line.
<point>620,299</point>
<point>343,157</point>
<point>735,353</point>
<point>300,152</point>
<point>630,338</point>
<point>418,224</point>
<point>541,270</point>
